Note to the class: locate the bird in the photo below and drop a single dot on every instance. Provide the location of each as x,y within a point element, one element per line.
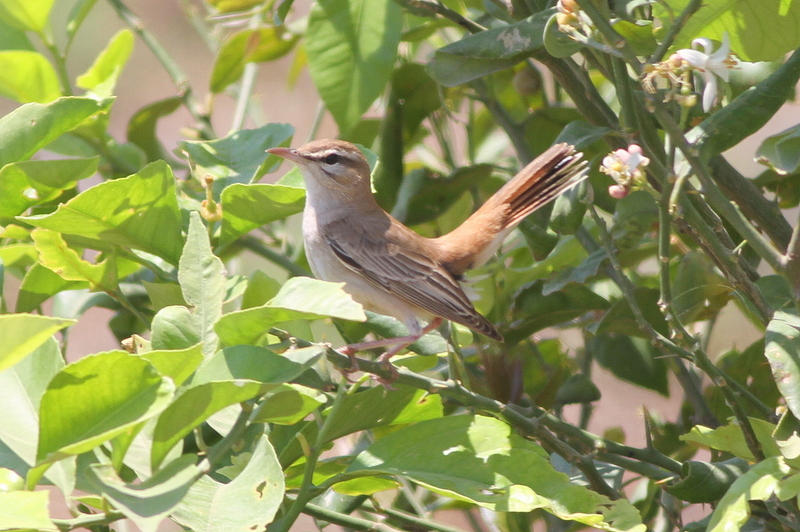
<point>389,268</point>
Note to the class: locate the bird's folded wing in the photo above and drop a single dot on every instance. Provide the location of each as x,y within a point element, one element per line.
<point>410,275</point>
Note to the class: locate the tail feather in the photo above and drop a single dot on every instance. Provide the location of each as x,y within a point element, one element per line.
<point>477,239</point>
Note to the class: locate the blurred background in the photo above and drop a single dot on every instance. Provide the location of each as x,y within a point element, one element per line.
<point>144,81</point>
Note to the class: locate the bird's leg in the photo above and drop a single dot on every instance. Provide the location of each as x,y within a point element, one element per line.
<point>397,344</point>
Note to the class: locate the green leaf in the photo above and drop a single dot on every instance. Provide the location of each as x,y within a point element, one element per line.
<point>579,274</point>
<point>375,408</point>
<point>25,510</point>
<point>730,438</point>
<point>482,460</point>
<point>249,46</point>
<point>193,407</point>
<point>97,398</point>
<point>351,47</point>
<point>260,289</point>
<point>568,210</point>
<point>300,298</point>
<point>55,255</point>
<point>239,157</point>
<point>699,292</point>
<point>22,333</point>
<point>556,42</point>
<point>489,51</point>
<point>26,14</point>
<point>146,503</point>
<point>759,30</point>
<point>706,482</point>
<point>747,113</point>
<point>247,207</point>
<point>783,352</point>
<point>621,320</point>
<point>782,151</point>
<point>174,327</point>
<point>177,364</point>
<point>758,484</point>
<point>255,364</point>
<point>101,78</point>
<point>230,6</point>
<point>142,126</point>
<point>32,126</point>
<point>201,275</point>
<point>150,219</point>
<point>28,183</point>
<point>288,404</point>
<point>23,386</point>
<point>249,502</point>
<point>433,195</point>
<point>27,77</point>
<point>639,36</point>
<point>534,311</point>
<point>13,38</point>
<point>39,285</point>
<point>631,359</point>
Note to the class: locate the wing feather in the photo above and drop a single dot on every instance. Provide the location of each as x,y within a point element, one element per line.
<point>407,273</point>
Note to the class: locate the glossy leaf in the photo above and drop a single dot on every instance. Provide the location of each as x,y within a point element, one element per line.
<point>22,333</point>
<point>489,51</point>
<point>706,482</point>
<point>26,14</point>
<point>534,311</point>
<point>55,255</point>
<point>27,76</point>
<point>433,195</point>
<point>28,183</point>
<point>32,126</point>
<point>95,399</point>
<point>631,359</point>
<point>300,298</point>
<point>248,502</point>
<point>25,510</point>
<point>23,386</point>
<point>781,151</point>
<point>146,503</point>
<point>368,409</point>
<point>175,327</point>
<point>260,289</point>
<point>102,76</point>
<point>201,275</point>
<point>288,404</point>
<point>351,47</point>
<point>150,220</point>
<point>40,284</point>
<point>698,292</point>
<point>783,352</point>
<point>247,207</point>
<point>142,126</point>
<point>254,363</point>
<point>238,157</point>
<point>757,484</point>
<point>248,46</point>
<point>759,30</point>
<point>730,438</point>
<point>482,460</point>
<point>177,364</point>
<point>194,406</point>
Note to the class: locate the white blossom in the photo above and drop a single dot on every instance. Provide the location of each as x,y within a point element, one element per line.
<point>711,64</point>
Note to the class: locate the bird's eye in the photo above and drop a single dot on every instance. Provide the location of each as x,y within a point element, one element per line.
<point>333,158</point>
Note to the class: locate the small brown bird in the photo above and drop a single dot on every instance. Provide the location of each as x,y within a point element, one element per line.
<point>389,268</point>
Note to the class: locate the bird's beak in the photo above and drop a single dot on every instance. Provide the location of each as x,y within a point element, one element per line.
<point>289,154</point>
